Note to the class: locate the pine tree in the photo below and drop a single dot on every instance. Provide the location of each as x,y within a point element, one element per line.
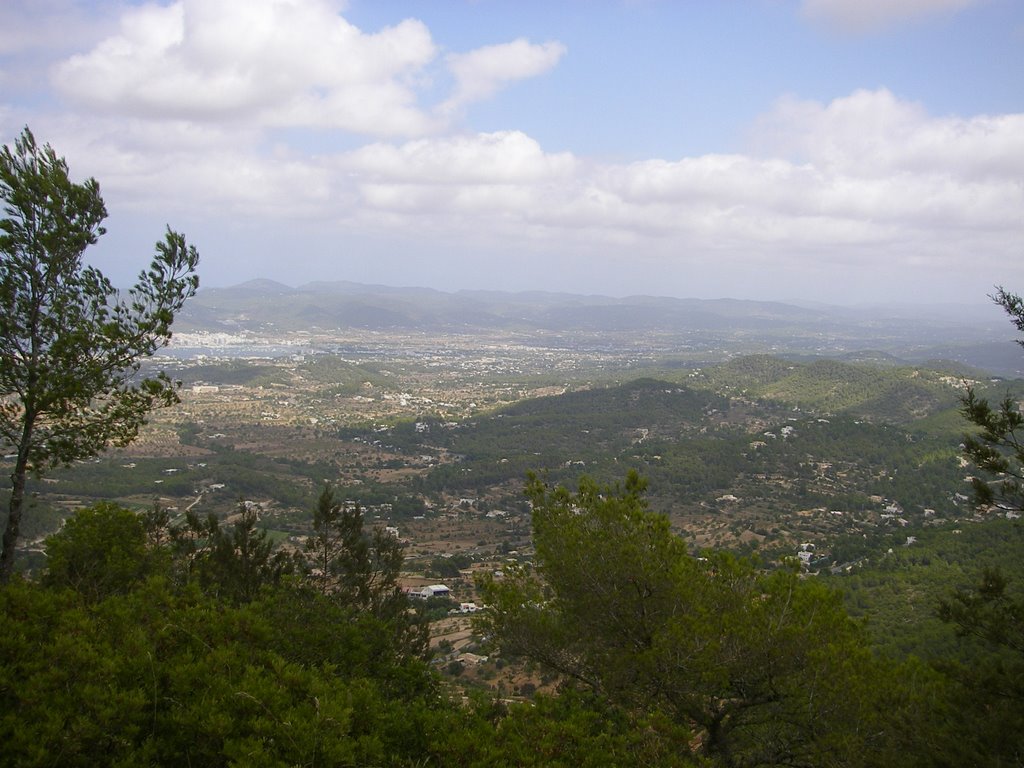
<point>71,344</point>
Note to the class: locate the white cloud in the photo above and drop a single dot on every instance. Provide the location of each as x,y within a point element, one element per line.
<point>279,62</point>
<point>503,157</point>
<point>873,133</point>
<point>862,16</point>
<point>481,73</point>
<point>867,179</point>
<point>181,169</point>
<point>465,187</point>
<point>283,63</point>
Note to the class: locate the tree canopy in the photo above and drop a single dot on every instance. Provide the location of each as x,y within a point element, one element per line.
<point>71,343</point>
<point>991,611</point>
<point>996,448</point>
<point>134,648</point>
<point>762,668</point>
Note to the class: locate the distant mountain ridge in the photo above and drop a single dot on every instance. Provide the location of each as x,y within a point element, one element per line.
<point>266,306</point>
<point>345,304</point>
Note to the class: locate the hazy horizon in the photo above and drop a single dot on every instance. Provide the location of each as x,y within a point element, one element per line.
<point>986,306</point>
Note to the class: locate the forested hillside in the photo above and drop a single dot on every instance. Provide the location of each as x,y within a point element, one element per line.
<point>758,452</point>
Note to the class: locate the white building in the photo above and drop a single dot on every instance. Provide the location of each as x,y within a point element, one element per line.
<point>434,590</point>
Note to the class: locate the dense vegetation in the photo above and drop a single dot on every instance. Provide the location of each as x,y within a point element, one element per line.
<point>145,643</point>
<point>883,393</point>
<point>149,644</point>
<point>897,586</point>
<point>764,668</point>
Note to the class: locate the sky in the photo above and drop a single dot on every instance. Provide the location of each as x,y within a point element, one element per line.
<point>839,151</point>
